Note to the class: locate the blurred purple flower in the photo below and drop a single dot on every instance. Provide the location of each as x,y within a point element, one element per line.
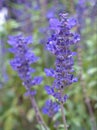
<point>23,58</point>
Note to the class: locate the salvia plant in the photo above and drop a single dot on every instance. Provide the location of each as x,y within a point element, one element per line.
<point>59,44</point>
<point>23,58</point>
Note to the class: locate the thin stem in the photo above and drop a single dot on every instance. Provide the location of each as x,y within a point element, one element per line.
<point>63,117</point>
<point>37,112</point>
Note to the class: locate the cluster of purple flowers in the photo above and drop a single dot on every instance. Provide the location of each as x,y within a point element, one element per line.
<point>23,58</point>
<point>59,44</point>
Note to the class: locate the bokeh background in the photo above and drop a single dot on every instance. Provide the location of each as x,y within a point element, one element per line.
<point>31,17</point>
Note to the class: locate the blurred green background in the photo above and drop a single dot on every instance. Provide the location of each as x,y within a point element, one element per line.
<point>30,17</point>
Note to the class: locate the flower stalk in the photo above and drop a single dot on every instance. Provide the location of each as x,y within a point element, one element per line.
<point>21,63</point>
<point>37,112</point>
<point>59,44</point>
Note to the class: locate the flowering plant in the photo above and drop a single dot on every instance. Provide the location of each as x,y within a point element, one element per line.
<point>59,44</point>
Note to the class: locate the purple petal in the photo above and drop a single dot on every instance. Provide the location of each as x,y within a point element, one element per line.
<point>49,90</point>
<point>37,80</point>
<point>72,22</point>
<point>50,72</point>
<point>54,24</point>
<point>75,79</point>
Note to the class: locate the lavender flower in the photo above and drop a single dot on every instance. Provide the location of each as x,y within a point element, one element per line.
<point>59,44</point>
<point>23,58</point>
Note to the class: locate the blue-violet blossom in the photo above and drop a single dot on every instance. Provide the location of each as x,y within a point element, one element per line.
<point>23,58</point>
<point>59,44</point>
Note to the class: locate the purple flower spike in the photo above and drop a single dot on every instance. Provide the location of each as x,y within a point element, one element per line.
<point>59,44</point>
<point>23,58</point>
